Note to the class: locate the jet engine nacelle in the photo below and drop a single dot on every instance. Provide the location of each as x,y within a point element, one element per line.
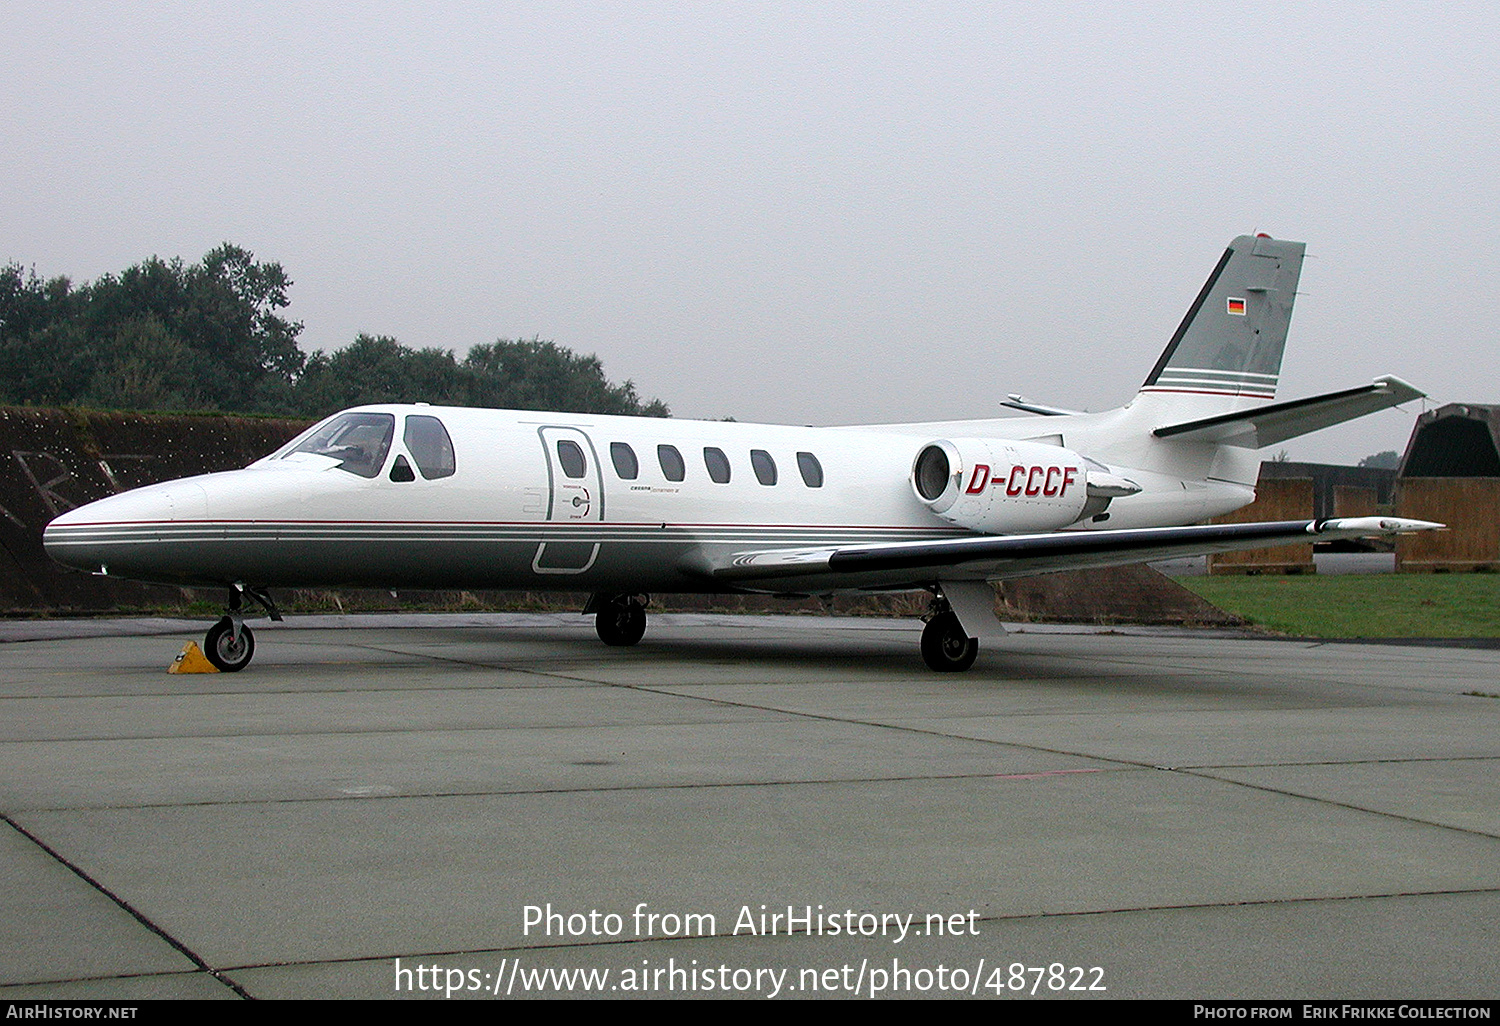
<point>1001,487</point>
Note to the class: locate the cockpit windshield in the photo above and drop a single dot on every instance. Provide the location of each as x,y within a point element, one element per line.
<point>359,441</point>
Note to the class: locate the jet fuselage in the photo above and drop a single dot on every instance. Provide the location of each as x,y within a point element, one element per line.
<point>512,512</point>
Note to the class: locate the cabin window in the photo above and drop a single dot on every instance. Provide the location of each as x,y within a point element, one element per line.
<point>812,470</point>
<point>717,464</point>
<point>428,442</point>
<point>359,441</point>
<point>672,466</point>
<point>625,462</point>
<point>570,458</point>
<point>764,466</point>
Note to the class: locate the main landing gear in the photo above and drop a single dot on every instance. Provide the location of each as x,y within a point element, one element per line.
<point>620,619</point>
<point>229,644</point>
<point>946,646</point>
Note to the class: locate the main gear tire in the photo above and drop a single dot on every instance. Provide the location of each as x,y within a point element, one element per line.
<point>621,622</point>
<point>946,646</point>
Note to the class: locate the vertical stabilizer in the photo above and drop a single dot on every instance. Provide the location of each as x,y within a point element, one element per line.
<point>1231,340</point>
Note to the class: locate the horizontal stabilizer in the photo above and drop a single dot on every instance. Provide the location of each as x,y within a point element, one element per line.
<point>1277,422</point>
<point>1021,555</point>
<point>1020,402</point>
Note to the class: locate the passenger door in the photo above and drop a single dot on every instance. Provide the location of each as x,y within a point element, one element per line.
<point>575,496</point>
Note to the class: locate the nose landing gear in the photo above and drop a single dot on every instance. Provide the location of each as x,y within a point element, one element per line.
<point>229,644</point>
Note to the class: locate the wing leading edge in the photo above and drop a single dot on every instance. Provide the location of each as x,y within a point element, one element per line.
<point>1002,556</point>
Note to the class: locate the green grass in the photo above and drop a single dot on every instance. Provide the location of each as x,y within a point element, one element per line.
<point>1361,605</point>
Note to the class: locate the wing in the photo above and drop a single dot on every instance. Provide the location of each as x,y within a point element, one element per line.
<point>1021,555</point>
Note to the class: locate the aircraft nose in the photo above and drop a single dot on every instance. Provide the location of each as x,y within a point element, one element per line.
<point>107,536</point>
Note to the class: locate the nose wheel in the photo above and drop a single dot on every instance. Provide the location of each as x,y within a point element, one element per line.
<point>620,620</point>
<point>229,646</point>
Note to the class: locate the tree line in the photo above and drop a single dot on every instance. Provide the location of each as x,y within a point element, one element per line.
<point>164,335</point>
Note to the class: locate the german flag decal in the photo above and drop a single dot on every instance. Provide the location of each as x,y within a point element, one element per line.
<point>1237,306</point>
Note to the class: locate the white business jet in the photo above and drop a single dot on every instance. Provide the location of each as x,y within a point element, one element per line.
<point>417,496</point>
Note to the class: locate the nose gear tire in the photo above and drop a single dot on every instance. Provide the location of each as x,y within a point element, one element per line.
<point>224,650</point>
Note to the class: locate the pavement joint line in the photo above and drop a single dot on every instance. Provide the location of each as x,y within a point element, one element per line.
<point>772,712</point>
<point>254,692</point>
<point>1338,762</point>
<point>1204,707</point>
<point>435,658</point>
<point>925,731</point>
<point>618,788</point>
<point>355,732</point>
<point>124,905</point>
<point>932,732</point>
<point>1122,659</point>
<point>574,676</point>
<point>1186,670</point>
<point>106,979</point>
<point>1321,800</point>
<point>504,666</point>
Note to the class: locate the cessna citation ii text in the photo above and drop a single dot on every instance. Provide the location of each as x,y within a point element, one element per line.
<point>617,507</point>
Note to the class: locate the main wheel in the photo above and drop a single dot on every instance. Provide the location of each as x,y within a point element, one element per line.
<point>622,621</point>
<point>946,646</point>
<point>224,650</point>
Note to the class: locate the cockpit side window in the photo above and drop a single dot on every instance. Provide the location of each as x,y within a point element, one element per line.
<point>428,442</point>
<point>359,441</point>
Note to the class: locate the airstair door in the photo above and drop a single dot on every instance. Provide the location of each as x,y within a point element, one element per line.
<point>575,498</point>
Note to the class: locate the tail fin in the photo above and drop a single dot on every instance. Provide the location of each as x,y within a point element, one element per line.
<point>1224,361</point>
<point>1231,341</point>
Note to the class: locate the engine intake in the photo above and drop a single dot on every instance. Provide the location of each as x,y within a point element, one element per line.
<point>996,486</point>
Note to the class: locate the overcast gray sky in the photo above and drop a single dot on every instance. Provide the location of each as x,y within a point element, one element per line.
<point>796,212</point>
